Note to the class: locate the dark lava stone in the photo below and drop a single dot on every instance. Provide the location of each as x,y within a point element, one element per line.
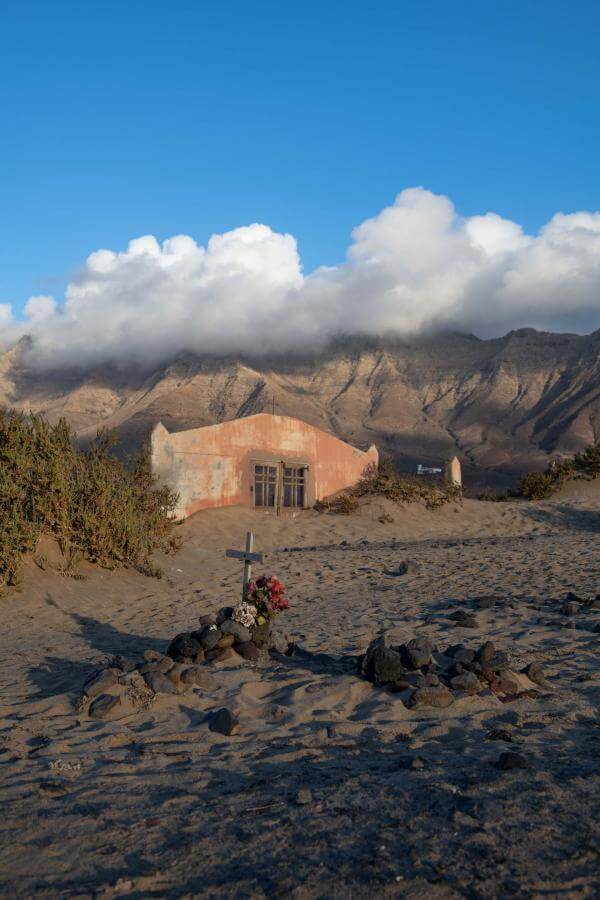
<point>225,641</point>
<point>510,760</point>
<point>464,619</point>
<point>225,612</point>
<point>247,650</point>
<point>484,602</point>
<point>499,734</point>
<point>239,631</point>
<point>486,652</point>
<point>416,653</point>
<point>387,666</point>
<point>207,637</point>
<point>261,634</point>
<point>464,656</point>
<point>439,697</point>
<point>223,721</point>
<point>184,645</point>
<point>409,567</point>
<point>534,673</point>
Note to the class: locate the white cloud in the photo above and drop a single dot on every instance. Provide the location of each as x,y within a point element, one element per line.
<point>39,308</point>
<point>415,266</point>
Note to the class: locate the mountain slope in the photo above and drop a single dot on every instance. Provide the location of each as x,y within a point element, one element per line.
<point>503,405</point>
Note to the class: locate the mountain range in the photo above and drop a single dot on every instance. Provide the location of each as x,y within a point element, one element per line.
<point>503,405</point>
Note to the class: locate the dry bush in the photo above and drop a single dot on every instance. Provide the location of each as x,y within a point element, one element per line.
<point>493,497</point>
<point>96,507</point>
<point>342,504</point>
<point>384,481</point>
<point>585,465</point>
<point>541,485</point>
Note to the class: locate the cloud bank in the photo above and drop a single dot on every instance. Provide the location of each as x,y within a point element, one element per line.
<point>417,266</point>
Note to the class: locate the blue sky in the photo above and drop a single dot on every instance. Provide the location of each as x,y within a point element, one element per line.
<point>120,119</point>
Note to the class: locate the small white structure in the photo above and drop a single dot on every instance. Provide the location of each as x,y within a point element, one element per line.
<point>427,470</point>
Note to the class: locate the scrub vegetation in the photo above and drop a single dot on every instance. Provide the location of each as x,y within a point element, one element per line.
<point>95,506</point>
<point>385,481</point>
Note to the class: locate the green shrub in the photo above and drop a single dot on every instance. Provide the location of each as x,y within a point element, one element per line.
<point>536,486</point>
<point>342,504</point>
<point>385,481</point>
<point>540,485</point>
<point>588,461</point>
<point>96,507</point>
<point>493,497</point>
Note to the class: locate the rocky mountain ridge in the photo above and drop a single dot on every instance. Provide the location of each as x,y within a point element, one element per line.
<point>503,405</point>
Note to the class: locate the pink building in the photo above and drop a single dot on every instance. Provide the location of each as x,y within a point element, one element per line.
<point>263,461</point>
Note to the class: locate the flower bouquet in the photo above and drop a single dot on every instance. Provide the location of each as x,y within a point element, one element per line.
<point>264,598</point>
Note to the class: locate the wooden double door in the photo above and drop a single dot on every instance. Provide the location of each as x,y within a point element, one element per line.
<point>279,485</point>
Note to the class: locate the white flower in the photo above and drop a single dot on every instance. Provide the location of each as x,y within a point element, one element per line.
<point>245,614</point>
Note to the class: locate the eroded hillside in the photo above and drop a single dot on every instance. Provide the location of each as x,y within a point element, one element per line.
<point>504,405</point>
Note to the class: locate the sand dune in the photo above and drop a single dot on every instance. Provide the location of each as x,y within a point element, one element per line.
<point>330,786</point>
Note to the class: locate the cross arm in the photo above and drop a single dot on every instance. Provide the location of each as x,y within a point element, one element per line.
<point>245,555</point>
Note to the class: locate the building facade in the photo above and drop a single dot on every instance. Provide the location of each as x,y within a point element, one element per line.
<point>264,461</point>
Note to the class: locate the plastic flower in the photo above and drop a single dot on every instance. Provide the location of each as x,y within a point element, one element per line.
<point>268,594</point>
<point>245,614</point>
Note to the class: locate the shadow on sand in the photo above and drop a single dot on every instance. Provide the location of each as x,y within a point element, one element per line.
<point>565,516</point>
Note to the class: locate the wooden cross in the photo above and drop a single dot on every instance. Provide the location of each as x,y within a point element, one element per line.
<point>249,557</point>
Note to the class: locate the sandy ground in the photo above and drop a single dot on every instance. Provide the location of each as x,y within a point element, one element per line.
<point>403,803</point>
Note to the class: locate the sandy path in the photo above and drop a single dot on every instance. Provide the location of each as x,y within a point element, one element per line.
<point>158,805</point>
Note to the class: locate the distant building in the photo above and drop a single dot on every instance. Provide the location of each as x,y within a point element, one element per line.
<point>427,470</point>
<point>263,461</point>
<point>453,472</point>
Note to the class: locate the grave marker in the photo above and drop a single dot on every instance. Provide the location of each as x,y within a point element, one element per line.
<point>249,557</point>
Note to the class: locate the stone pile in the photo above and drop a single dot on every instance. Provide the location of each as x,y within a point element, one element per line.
<point>219,638</point>
<point>123,685</point>
<point>432,677</point>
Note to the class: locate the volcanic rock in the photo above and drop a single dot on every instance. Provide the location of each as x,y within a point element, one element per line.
<point>439,697</point>
<point>381,664</point>
<point>486,653</point>
<point>261,634</point>
<point>239,631</point>
<point>467,682</point>
<point>184,646</point>
<point>195,675</point>
<point>534,673</point>
<point>223,722</point>
<point>160,684</point>
<point>100,683</point>
<point>225,612</point>
<point>406,567</point>
<point>106,706</point>
<point>464,619</point>
<point>207,637</point>
<point>248,650</point>
<point>510,760</point>
<point>416,653</point>
<point>225,641</point>
<point>464,656</point>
